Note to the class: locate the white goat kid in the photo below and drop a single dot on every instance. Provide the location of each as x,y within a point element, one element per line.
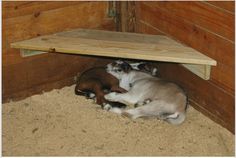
<point>161,99</point>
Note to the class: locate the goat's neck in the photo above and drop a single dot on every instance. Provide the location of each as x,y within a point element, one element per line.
<point>131,77</point>
<point>138,75</point>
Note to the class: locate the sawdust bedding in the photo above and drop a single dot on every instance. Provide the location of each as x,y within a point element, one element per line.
<point>59,123</point>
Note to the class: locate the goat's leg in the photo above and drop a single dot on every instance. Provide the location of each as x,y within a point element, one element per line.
<point>99,95</point>
<point>159,109</point>
<point>142,103</point>
<point>125,98</point>
<point>118,89</point>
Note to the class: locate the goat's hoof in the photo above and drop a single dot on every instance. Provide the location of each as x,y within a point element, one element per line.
<point>110,96</point>
<point>106,107</point>
<point>126,114</point>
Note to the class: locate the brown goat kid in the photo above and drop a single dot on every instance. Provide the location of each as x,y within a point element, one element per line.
<point>97,81</point>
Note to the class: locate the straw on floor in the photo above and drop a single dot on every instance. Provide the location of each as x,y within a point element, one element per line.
<point>59,123</point>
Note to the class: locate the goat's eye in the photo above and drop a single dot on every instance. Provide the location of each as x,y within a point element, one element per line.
<point>119,70</point>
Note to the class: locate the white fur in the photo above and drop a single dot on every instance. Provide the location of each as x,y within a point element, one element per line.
<point>168,102</point>
<point>135,65</point>
<point>116,110</point>
<point>107,107</point>
<point>154,72</point>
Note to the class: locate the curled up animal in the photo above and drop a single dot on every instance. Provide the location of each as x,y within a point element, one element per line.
<point>164,100</point>
<point>95,83</point>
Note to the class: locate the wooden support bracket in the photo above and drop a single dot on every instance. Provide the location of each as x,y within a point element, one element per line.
<point>203,71</point>
<point>28,53</point>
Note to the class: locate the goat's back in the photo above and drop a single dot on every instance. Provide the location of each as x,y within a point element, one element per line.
<point>99,74</point>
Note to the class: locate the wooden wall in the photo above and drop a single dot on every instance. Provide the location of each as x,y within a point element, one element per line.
<point>205,26</point>
<point>23,77</point>
<point>209,28</point>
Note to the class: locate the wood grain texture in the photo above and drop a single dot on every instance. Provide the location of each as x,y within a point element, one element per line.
<point>195,37</point>
<point>124,16</point>
<point>221,74</point>
<point>142,26</point>
<point>225,5</point>
<point>21,8</point>
<point>208,17</point>
<point>51,21</point>
<point>38,89</point>
<point>46,69</point>
<point>203,71</point>
<point>23,77</point>
<point>215,97</point>
<point>115,44</point>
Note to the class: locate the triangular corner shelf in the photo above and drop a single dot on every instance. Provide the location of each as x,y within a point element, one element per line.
<point>119,45</point>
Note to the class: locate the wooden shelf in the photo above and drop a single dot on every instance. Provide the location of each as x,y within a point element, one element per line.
<point>119,45</point>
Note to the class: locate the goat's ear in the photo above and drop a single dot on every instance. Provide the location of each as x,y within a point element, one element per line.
<point>145,67</point>
<point>141,66</point>
<point>126,67</point>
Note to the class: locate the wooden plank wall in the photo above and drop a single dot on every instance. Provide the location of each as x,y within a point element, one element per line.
<point>23,77</point>
<point>209,28</point>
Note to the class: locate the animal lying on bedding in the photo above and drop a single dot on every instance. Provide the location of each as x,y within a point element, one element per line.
<point>161,99</point>
<point>96,82</point>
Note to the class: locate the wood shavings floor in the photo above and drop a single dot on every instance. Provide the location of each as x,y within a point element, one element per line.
<point>58,123</point>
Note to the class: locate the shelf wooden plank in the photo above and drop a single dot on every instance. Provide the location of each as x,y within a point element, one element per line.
<point>116,44</point>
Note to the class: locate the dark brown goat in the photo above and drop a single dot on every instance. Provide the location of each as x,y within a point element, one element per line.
<point>97,81</point>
